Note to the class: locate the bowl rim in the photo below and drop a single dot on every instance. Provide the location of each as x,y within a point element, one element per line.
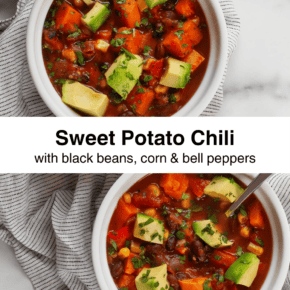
<point>194,107</point>
<point>102,272</point>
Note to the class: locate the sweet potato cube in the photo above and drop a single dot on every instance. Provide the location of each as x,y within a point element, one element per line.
<point>126,281</point>
<point>256,215</point>
<point>180,41</point>
<point>197,185</point>
<point>194,59</point>
<point>140,99</point>
<point>129,12</point>
<point>129,267</point>
<point>174,184</point>
<point>185,7</point>
<point>122,213</point>
<point>67,18</point>
<point>142,5</point>
<point>192,284</point>
<point>130,42</point>
<point>148,40</point>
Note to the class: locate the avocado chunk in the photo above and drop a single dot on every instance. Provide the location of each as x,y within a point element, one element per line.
<point>124,73</point>
<point>207,231</point>
<point>84,99</point>
<point>176,75</point>
<point>224,188</point>
<point>96,17</point>
<point>152,279</point>
<point>149,229</point>
<point>244,270</point>
<point>153,3</point>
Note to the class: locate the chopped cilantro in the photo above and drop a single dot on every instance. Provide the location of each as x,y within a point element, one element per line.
<point>80,57</point>
<point>260,242</point>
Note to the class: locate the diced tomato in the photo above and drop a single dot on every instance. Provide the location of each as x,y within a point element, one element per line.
<point>156,68</point>
<point>120,236</point>
<point>198,185</point>
<point>174,184</point>
<point>222,259</point>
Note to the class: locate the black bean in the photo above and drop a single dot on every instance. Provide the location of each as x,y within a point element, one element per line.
<point>181,276</point>
<point>160,50</point>
<point>117,269</point>
<point>171,243</point>
<point>198,249</point>
<point>173,281</point>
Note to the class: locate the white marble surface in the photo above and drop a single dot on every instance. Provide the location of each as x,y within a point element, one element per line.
<point>12,276</point>
<point>258,80</point>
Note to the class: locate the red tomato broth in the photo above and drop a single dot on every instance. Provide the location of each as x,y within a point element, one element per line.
<point>96,63</point>
<point>190,270</point>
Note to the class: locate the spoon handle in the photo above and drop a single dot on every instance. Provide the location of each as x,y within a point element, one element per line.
<point>256,183</point>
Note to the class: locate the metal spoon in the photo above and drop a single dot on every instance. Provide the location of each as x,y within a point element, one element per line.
<point>256,183</point>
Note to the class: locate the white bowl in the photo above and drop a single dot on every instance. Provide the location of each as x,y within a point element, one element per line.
<point>278,221</point>
<point>194,107</point>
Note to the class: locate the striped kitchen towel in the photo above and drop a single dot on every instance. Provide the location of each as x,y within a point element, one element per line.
<point>18,95</point>
<point>48,220</point>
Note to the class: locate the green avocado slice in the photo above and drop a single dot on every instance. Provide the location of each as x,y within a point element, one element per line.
<point>124,73</point>
<point>244,270</point>
<point>176,75</point>
<point>207,231</point>
<point>224,188</point>
<point>84,99</point>
<point>153,3</point>
<point>153,279</point>
<point>149,229</point>
<point>96,17</point>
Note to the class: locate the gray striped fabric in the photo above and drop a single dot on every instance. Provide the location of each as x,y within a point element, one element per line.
<point>18,95</point>
<point>48,220</point>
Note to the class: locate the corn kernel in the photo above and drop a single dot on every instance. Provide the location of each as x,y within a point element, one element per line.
<point>135,247</point>
<point>242,219</point>
<point>150,212</point>
<point>166,235</point>
<point>185,203</point>
<point>124,253</point>
<point>153,190</point>
<point>257,250</point>
<point>245,232</point>
<point>127,198</point>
